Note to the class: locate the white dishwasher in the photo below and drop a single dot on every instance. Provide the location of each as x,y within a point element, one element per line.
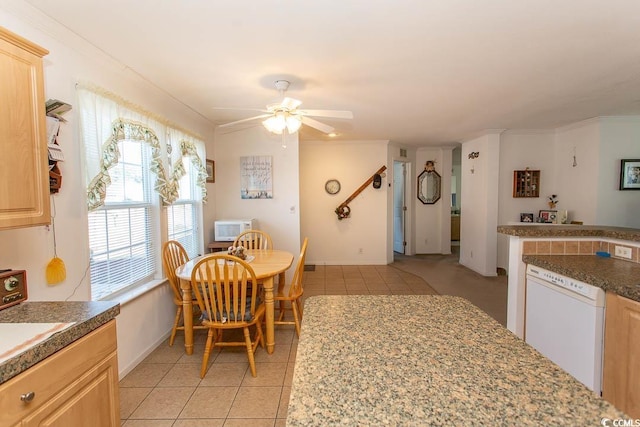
<point>564,320</point>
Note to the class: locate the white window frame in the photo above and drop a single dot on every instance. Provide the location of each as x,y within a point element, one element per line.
<point>110,290</point>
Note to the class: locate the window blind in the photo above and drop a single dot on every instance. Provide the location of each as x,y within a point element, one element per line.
<point>121,231</point>
<point>183,215</point>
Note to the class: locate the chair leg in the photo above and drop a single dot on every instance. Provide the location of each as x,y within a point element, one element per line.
<point>296,316</point>
<point>259,335</point>
<point>175,325</point>
<point>207,352</point>
<point>299,303</point>
<point>252,362</point>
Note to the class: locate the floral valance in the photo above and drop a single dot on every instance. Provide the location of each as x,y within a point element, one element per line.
<point>101,137</point>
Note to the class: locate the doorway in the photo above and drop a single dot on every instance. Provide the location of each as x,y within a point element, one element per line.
<point>456,181</point>
<point>399,206</point>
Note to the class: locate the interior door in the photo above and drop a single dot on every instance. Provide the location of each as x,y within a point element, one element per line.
<point>399,208</point>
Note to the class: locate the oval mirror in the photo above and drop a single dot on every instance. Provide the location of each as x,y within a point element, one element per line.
<point>429,187</point>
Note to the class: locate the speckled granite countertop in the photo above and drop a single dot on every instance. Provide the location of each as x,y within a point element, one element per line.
<point>620,277</point>
<point>86,315</point>
<point>622,233</point>
<point>426,360</point>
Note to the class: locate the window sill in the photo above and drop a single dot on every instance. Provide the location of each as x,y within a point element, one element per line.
<point>138,291</point>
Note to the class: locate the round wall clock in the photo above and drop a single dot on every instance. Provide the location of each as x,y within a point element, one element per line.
<point>332,186</point>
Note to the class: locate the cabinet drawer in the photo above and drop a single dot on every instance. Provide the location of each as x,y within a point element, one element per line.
<point>49,377</point>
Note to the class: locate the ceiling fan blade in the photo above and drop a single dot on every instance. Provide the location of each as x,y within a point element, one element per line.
<point>317,125</point>
<point>262,110</point>
<point>338,114</point>
<point>290,103</point>
<point>261,116</point>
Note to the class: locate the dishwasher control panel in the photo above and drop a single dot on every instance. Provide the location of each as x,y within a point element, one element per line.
<point>565,282</point>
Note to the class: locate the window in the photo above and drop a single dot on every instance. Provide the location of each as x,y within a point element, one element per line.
<point>136,164</point>
<point>183,215</point>
<point>121,232</point>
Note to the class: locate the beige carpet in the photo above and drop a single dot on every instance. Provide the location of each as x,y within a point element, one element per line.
<point>447,277</point>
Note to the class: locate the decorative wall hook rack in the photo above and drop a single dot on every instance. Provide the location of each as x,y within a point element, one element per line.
<point>474,154</point>
<point>344,211</point>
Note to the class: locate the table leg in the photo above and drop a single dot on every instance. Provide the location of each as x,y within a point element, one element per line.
<point>269,315</point>
<point>187,314</point>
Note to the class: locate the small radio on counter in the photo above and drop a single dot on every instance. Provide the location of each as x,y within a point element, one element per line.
<point>13,287</point>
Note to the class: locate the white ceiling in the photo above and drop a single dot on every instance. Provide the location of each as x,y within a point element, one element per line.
<point>416,72</point>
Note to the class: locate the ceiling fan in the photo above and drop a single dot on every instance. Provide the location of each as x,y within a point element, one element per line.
<point>286,117</point>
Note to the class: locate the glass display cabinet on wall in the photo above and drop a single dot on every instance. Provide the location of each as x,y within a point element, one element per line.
<point>526,183</point>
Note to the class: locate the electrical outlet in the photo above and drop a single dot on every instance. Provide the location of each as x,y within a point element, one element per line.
<point>623,252</point>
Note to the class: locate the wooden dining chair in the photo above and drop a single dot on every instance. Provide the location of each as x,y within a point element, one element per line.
<point>222,286</point>
<point>173,256</point>
<point>254,239</point>
<point>292,295</point>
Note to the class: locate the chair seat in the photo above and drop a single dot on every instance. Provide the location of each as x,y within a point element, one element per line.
<point>248,321</point>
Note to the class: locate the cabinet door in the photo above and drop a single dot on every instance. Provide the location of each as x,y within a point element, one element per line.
<point>621,382</point>
<point>24,170</point>
<point>88,401</point>
<point>76,386</point>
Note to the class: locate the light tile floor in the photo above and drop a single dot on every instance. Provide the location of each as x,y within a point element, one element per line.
<point>166,389</point>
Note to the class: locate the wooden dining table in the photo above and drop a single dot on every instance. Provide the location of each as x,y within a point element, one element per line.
<point>266,263</point>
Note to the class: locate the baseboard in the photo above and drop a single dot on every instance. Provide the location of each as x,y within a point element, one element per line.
<point>123,371</point>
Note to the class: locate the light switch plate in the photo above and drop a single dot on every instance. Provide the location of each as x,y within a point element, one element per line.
<point>623,252</point>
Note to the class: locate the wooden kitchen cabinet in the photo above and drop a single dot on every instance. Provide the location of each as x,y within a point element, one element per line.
<point>621,377</point>
<point>24,166</point>
<point>75,387</point>
<point>455,227</point>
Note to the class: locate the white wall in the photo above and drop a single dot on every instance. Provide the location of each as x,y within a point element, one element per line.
<point>577,187</point>
<point>71,60</point>
<point>280,216</point>
<point>479,204</point>
<point>619,139</point>
<point>520,150</point>
<point>333,241</point>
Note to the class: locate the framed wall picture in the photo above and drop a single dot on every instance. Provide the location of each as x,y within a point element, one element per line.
<point>630,174</point>
<point>211,171</point>
<point>549,217</point>
<point>256,177</point>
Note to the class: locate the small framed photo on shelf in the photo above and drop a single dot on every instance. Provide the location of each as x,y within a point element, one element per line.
<point>211,171</point>
<point>526,217</point>
<point>630,174</point>
<point>548,217</point>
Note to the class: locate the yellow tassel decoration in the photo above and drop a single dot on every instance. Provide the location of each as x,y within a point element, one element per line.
<point>56,271</point>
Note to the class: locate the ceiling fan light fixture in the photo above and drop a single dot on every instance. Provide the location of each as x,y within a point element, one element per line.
<point>285,115</point>
<point>293,123</point>
<point>276,123</point>
<point>282,120</point>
